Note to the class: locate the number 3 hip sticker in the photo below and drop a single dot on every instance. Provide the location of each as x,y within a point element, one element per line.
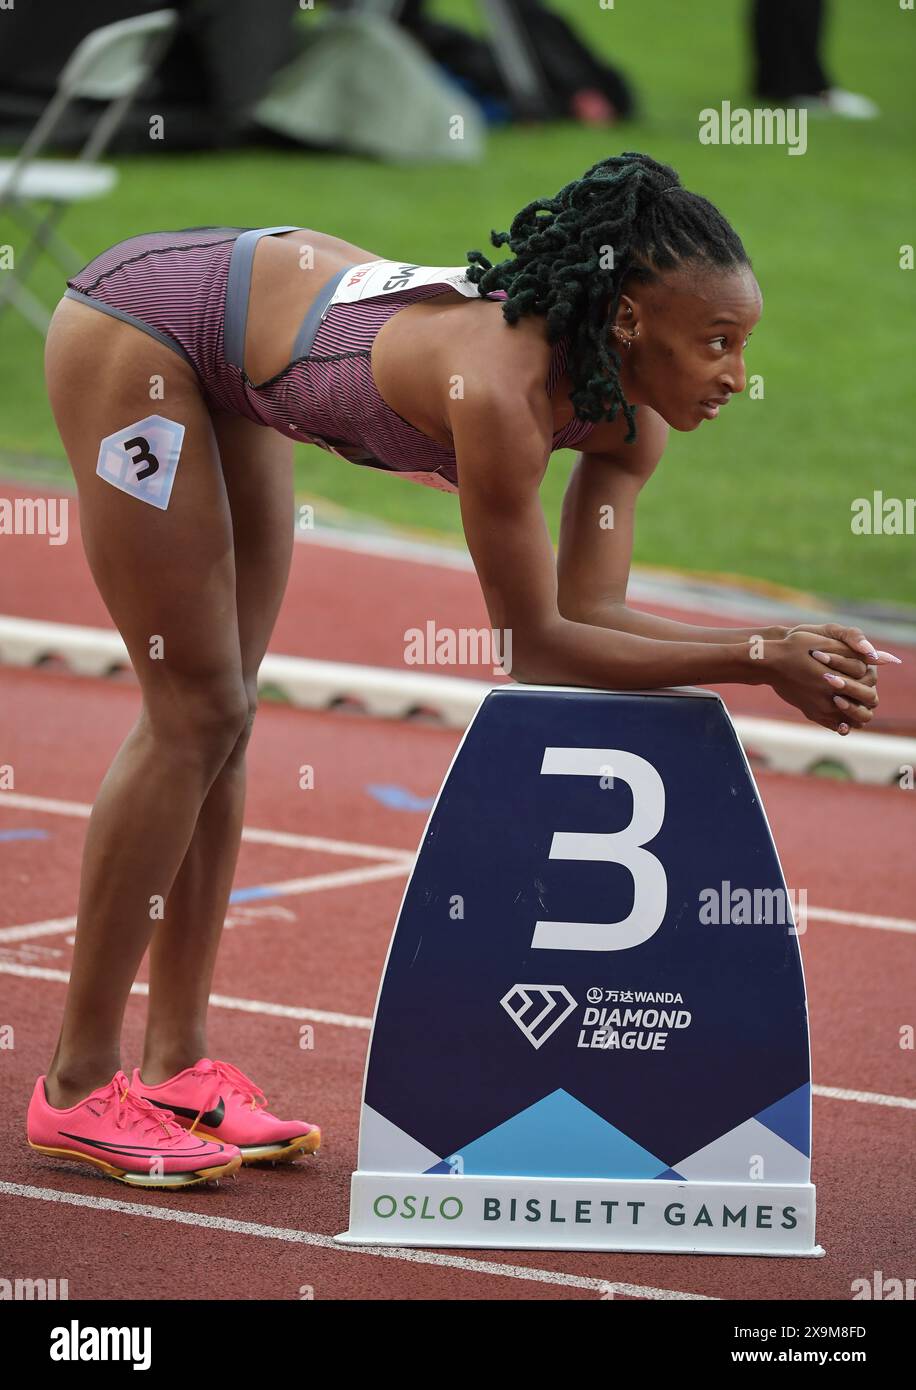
<point>141,459</point>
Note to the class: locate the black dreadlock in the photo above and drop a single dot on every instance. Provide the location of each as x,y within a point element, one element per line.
<point>561,268</point>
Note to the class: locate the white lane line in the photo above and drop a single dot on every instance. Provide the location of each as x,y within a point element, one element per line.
<point>283,838</point>
<point>260,1006</point>
<point>865,1097</point>
<point>289,840</point>
<point>45,803</point>
<point>55,927</point>
<point>344,878</point>
<point>347,877</point>
<point>316,883</point>
<point>217,1001</point>
<point>861,919</point>
<point>391,1252</point>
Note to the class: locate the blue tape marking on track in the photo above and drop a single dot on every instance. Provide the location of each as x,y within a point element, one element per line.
<point>24,835</point>
<point>247,895</point>
<point>399,798</point>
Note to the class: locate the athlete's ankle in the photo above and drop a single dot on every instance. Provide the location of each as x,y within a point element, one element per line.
<point>161,1064</point>
<point>68,1083</point>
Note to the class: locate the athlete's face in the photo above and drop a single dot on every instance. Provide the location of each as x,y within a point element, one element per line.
<point>687,358</point>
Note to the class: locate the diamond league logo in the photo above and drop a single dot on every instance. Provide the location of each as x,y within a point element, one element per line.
<point>551,1004</point>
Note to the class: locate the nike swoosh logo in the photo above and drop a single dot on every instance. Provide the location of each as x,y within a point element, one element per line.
<point>210,1118</point>
<point>134,1150</point>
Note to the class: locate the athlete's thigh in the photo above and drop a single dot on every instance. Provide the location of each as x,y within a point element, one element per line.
<point>167,572</point>
<point>258,473</point>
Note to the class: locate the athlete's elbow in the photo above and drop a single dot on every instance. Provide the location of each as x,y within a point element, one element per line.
<point>519,667</point>
<point>536,656</point>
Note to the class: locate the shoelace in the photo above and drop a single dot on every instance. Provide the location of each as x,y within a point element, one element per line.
<point>226,1072</point>
<point>133,1111</point>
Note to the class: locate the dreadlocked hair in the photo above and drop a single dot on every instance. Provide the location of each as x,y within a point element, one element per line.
<point>630,205</point>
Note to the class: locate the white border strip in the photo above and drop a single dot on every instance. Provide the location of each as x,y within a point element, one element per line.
<point>392,694</point>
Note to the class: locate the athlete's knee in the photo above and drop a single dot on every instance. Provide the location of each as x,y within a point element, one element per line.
<point>251,709</point>
<point>251,706</point>
<point>204,716</point>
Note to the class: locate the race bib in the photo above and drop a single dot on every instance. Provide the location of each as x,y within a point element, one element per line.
<point>370,281</point>
<point>376,278</point>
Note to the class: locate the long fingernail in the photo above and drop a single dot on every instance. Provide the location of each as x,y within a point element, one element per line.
<point>838,700</point>
<point>822,656</point>
<point>834,679</point>
<point>866,646</point>
<point>888,656</point>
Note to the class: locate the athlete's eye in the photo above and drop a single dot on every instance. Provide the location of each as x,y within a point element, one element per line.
<point>724,339</point>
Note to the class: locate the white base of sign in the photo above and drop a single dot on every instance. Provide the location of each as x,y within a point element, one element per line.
<point>511,1213</point>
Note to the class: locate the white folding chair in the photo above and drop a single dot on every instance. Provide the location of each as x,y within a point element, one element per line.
<point>109,65</point>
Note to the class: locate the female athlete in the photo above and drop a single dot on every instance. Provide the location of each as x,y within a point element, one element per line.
<point>181,367</point>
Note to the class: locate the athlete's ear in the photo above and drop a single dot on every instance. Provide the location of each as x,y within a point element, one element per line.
<point>626,319</point>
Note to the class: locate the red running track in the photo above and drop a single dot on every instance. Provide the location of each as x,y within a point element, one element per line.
<point>341,605</point>
<point>290,960</point>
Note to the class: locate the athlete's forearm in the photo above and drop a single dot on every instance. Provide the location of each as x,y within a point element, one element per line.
<point>571,653</point>
<point>624,619</point>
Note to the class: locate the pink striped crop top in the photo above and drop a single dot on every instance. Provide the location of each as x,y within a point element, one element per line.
<point>327,394</point>
<point>189,289</point>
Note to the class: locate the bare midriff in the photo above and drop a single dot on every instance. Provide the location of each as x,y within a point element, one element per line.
<point>416,353</point>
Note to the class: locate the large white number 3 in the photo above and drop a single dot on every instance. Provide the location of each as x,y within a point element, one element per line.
<point>650,896</point>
